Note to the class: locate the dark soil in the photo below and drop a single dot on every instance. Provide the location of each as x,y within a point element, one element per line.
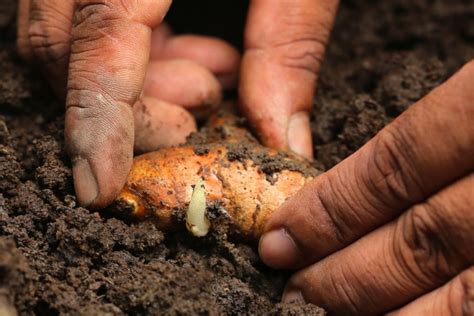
<point>226,128</point>
<point>57,258</point>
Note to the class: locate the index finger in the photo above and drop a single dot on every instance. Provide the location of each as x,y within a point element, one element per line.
<point>109,54</point>
<point>423,150</point>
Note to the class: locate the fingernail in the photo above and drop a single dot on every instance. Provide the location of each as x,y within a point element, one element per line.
<point>299,135</point>
<point>278,250</point>
<point>293,295</point>
<point>85,183</point>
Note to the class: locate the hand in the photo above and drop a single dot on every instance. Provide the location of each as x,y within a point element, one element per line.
<point>112,52</point>
<point>390,227</point>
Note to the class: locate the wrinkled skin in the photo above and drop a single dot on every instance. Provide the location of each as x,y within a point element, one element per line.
<point>122,74</point>
<point>388,229</point>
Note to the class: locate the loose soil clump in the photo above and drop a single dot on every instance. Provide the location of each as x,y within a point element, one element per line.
<point>58,258</point>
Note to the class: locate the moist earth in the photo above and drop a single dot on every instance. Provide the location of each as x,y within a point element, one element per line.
<point>58,258</point>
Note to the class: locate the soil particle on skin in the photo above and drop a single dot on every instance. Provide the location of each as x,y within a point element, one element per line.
<point>60,259</point>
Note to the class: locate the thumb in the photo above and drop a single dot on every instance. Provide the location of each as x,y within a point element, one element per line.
<point>284,45</point>
<point>109,54</point>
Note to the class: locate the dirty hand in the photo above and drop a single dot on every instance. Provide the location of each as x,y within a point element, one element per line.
<point>131,83</point>
<point>391,227</point>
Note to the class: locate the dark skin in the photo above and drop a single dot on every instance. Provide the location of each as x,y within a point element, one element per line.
<point>388,229</point>
<point>113,52</point>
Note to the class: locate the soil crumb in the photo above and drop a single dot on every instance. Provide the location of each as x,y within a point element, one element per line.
<point>60,259</point>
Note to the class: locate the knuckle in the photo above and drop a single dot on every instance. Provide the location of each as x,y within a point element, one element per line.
<point>98,28</point>
<point>340,282</point>
<point>303,40</point>
<point>83,80</point>
<point>318,227</point>
<point>297,42</point>
<point>48,42</point>
<point>390,175</point>
<point>324,203</point>
<point>429,259</point>
<point>87,103</point>
<point>304,54</point>
<point>103,12</point>
<point>49,32</point>
<point>95,11</point>
<point>295,51</point>
<point>98,112</point>
<point>94,20</point>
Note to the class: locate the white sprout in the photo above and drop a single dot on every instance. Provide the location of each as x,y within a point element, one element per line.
<point>196,220</point>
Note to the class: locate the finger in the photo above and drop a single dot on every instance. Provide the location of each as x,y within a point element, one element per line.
<point>216,55</point>
<point>109,55</point>
<point>454,298</point>
<point>284,45</point>
<point>185,83</point>
<point>160,124</point>
<point>49,35</point>
<point>423,150</point>
<point>23,41</point>
<point>395,264</point>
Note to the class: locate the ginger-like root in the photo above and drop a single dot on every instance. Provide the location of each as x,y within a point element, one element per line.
<point>249,180</point>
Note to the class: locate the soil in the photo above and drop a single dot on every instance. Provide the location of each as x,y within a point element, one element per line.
<point>226,128</point>
<point>57,258</point>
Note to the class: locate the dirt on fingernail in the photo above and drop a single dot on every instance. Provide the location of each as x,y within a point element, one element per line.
<point>60,259</point>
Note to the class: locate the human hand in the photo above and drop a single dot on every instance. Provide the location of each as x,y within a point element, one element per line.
<point>112,52</point>
<point>391,224</point>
